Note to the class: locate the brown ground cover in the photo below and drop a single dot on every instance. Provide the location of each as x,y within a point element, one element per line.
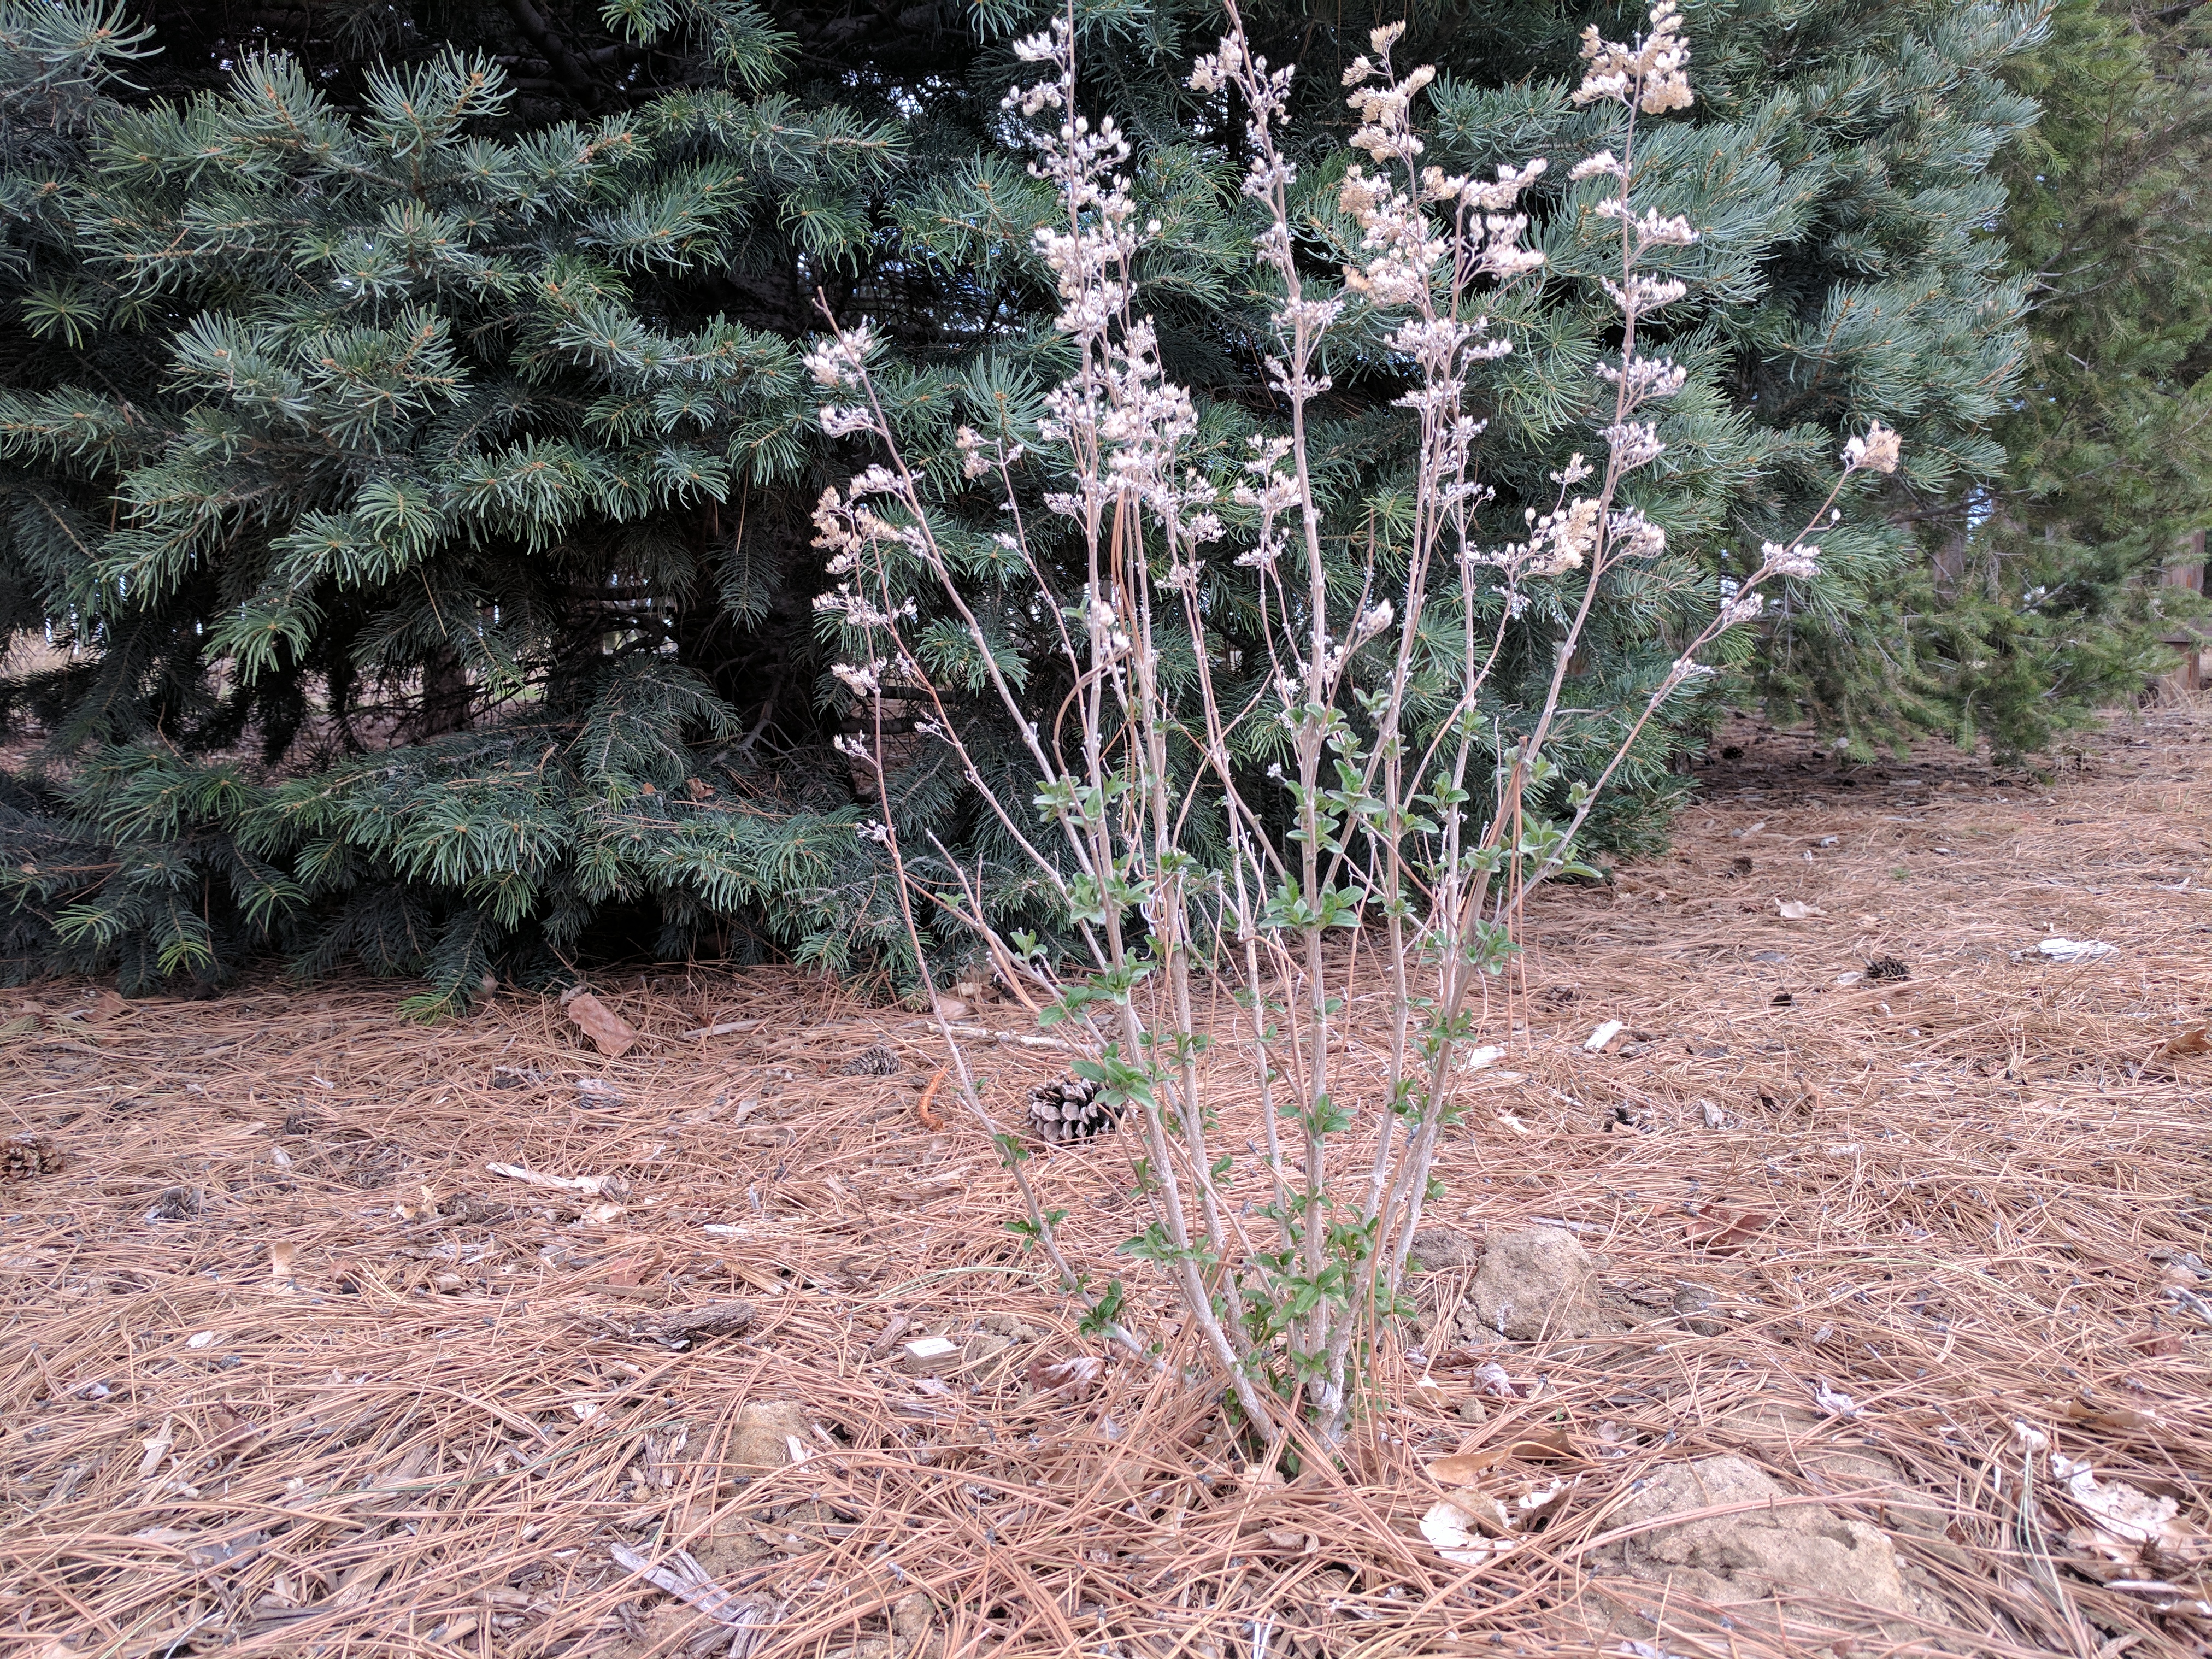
<point>287,1367</point>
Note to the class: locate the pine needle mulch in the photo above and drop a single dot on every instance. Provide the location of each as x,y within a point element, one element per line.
<point>288,1370</point>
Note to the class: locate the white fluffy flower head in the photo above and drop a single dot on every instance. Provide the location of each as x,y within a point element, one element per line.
<point>1799,560</point>
<point>1878,450</point>
<point>836,360</point>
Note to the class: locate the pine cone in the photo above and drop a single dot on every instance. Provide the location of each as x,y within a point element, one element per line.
<point>873,1061</point>
<point>23,1157</point>
<point>1070,1110</point>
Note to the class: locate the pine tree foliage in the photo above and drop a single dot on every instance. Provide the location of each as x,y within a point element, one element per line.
<point>408,473</point>
<point>379,401</point>
<point>1839,174</point>
<point>2050,607</point>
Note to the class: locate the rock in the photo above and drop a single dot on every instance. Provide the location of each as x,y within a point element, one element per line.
<point>982,1347</point>
<point>1823,1566</point>
<point>1787,1435</point>
<point>1435,1248</point>
<point>730,1544</point>
<point>175,1204</point>
<point>660,1630</point>
<point>1536,1282</point>
<point>760,1440</point>
<point>912,1619</point>
<point>994,1350</point>
<point>1691,1301</point>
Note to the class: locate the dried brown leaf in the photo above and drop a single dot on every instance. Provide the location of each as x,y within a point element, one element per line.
<point>2129,1526</point>
<point>1075,1379</point>
<point>2095,1416</point>
<point>1534,1445</point>
<point>610,1034</point>
<point>1720,1228</point>
<point>599,1186</point>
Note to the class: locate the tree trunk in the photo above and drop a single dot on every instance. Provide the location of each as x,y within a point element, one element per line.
<point>444,695</point>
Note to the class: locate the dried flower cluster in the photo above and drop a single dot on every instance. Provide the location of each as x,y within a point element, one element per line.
<point>1651,74</point>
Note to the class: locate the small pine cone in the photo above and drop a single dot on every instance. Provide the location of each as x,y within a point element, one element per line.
<point>875,1060</point>
<point>1070,1110</point>
<point>23,1157</point>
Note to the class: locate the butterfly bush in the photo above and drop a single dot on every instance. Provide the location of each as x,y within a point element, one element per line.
<point>1284,1247</point>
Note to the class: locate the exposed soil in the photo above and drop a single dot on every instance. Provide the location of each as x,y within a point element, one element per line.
<point>288,1368</point>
